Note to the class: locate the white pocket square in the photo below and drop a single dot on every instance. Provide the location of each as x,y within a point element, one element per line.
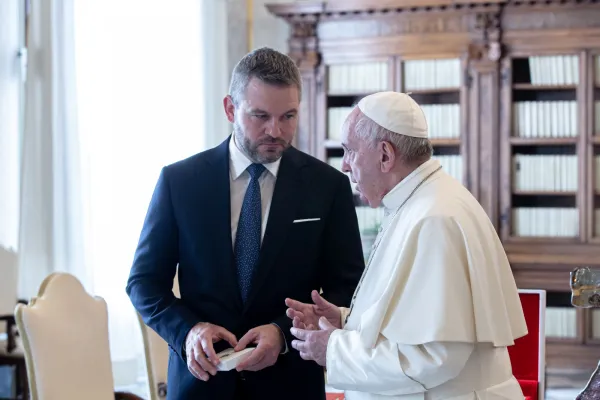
<point>296,221</point>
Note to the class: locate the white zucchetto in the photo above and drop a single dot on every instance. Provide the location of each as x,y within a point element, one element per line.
<point>396,112</point>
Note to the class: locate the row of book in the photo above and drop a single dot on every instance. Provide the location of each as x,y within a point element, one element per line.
<point>452,164</point>
<point>545,222</point>
<point>546,119</point>
<point>363,78</point>
<point>369,220</point>
<point>360,78</point>
<point>597,70</point>
<point>551,173</point>
<point>597,174</point>
<point>554,70</point>
<point>335,120</point>
<point>596,323</point>
<point>597,114</point>
<point>336,162</point>
<point>561,322</point>
<point>432,74</point>
<point>443,121</point>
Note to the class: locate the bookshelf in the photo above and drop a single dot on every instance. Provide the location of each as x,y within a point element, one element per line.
<point>434,83</point>
<point>594,145</point>
<point>512,94</point>
<point>541,149</point>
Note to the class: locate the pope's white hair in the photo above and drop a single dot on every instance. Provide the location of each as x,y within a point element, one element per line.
<point>410,149</point>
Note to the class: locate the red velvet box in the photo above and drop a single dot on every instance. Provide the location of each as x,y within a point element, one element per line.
<point>528,355</point>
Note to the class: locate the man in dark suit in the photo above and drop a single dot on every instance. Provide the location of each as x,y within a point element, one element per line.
<point>250,223</point>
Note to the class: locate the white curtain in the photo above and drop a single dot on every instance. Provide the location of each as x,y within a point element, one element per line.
<point>51,229</point>
<point>11,39</point>
<point>116,90</point>
<point>141,106</point>
<point>11,36</point>
<point>215,63</point>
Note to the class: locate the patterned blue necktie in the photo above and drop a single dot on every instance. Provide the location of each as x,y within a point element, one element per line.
<point>248,236</point>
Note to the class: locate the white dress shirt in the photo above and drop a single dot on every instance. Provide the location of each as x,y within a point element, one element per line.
<point>239,178</point>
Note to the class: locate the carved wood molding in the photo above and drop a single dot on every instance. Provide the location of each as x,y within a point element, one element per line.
<point>548,3</point>
<point>303,41</point>
<point>475,24</point>
<point>376,8</point>
<point>487,36</point>
<point>551,15</point>
<point>393,25</point>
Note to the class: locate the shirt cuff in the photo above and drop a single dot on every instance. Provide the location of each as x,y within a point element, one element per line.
<point>285,350</point>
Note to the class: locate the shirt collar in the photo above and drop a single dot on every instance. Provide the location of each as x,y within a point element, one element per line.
<point>404,188</point>
<point>238,161</point>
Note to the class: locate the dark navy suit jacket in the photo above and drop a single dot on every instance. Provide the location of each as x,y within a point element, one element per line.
<point>188,225</point>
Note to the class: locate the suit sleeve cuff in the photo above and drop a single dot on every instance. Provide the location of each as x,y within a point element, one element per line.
<point>285,345</point>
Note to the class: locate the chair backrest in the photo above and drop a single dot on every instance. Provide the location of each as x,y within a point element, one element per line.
<point>9,281</point>
<point>528,355</point>
<point>157,355</point>
<point>65,337</point>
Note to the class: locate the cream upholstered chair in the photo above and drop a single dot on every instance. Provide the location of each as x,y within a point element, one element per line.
<point>157,356</point>
<point>157,361</point>
<point>9,282</point>
<point>65,337</point>
<point>8,300</point>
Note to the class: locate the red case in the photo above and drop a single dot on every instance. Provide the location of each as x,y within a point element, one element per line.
<point>528,355</point>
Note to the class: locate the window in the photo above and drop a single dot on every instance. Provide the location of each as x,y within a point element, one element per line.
<point>140,105</point>
<point>12,36</point>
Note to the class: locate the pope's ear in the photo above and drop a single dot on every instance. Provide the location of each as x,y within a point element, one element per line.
<point>387,155</point>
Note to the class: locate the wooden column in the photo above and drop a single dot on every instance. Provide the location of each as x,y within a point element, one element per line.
<point>303,49</point>
<point>483,116</point>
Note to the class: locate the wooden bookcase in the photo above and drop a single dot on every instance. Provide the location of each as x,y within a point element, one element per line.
<point>512,94</point>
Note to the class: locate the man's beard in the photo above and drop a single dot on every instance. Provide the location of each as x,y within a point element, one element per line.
<point>251,149</point>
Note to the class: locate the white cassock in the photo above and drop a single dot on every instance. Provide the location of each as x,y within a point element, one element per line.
<point>437,305</point>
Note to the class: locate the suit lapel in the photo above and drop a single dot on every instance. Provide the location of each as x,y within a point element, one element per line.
<point>286,197</point>
<point>220,194</point>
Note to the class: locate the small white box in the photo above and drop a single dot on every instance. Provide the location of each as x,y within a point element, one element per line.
<point>230,359</point>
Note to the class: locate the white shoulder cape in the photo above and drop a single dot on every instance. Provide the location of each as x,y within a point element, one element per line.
<point>440,274</point>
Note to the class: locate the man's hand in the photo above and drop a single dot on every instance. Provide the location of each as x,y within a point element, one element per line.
<point>306,316</point>
<point>269,341</point>
<point>201,356</point>
<point>313,343</point>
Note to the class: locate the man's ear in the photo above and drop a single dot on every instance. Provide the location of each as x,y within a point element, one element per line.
<point>387,156</point>
<point>229,108</point>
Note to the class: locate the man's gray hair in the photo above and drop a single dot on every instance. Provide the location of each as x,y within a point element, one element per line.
<point>412,150</point>
<point>268,65</point>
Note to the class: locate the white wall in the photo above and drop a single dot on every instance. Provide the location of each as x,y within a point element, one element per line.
<point>268,30</point>
<point>215,54</point>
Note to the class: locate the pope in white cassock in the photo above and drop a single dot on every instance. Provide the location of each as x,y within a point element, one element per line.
<point>437,304</point>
